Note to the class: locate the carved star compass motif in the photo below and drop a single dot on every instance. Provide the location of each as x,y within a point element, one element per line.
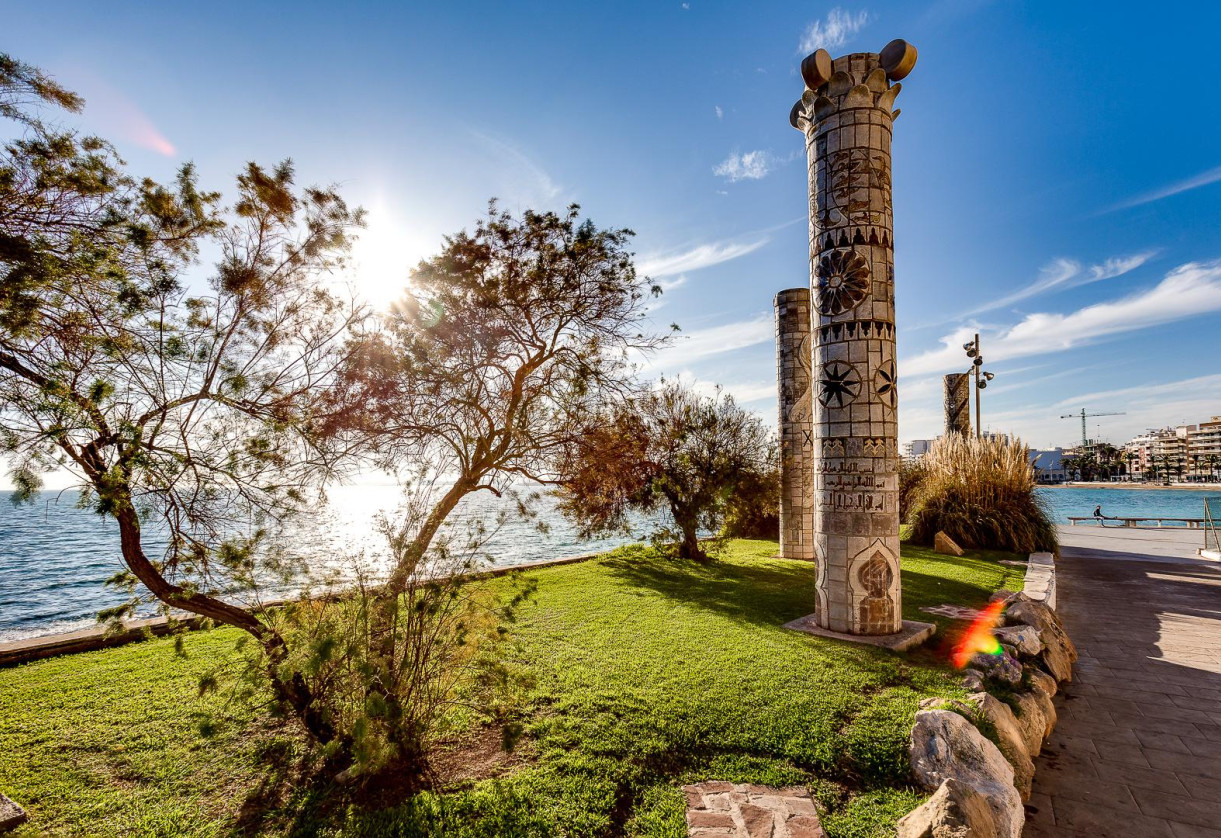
<point>887,384</point>
<point>840,384</point>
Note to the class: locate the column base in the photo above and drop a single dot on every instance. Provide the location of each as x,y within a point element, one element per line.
<point>910,636</point>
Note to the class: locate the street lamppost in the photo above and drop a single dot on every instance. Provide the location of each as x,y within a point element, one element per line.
<point>982,378</point>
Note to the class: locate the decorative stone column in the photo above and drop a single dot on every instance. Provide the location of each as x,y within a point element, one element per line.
<point>846,115</point>
<point>795,415</point>
<point>957,404</point>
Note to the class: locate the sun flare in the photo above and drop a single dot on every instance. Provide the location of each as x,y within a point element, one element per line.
<point>382,259</point>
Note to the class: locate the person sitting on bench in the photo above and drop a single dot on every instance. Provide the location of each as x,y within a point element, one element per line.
<point>1098,516</point>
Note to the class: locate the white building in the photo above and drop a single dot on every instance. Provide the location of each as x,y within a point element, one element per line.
<point>916,448</point>
<point>1048,465</point>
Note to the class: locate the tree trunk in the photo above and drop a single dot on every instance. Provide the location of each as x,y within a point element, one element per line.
<point>689,547</point>
<point>383,617</point>
<point>291,690</point>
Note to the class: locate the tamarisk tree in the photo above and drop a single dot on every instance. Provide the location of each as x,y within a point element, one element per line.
<point>191,415</point>
<point>483,376</point>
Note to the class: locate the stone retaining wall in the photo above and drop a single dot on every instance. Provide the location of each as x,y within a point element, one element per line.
<point>1041,579</point>
<point>980,782</point>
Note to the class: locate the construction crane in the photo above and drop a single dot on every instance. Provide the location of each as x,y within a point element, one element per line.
<point>1085,440</point>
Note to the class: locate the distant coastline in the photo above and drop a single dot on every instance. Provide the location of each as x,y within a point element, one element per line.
<point>1143,487</point>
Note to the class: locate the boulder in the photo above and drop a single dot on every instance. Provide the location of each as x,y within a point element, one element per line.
<point>1024,639</point>
<point>1003,667</point>
<point>973,680</point>
<point>1009,738</point>
<point>11,815</point>
<point>1041,681</point>
<point>956,704</point>
<point>944,746</point>
<point>1059,651</point>
<point>945,545</point>
<point>954,811</point>
<point>1036,717</point>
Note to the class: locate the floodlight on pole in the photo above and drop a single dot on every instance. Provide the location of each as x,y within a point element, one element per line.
<point>981,378</point>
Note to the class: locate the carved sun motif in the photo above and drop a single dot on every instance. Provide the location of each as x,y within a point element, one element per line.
<point>839,385</point>
<point>843,281</point>
<point>886,383</point>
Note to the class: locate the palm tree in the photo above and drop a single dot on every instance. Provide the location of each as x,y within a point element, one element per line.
<point>1214,462</point>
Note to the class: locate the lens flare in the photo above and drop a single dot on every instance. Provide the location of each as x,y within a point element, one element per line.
<point>979,637</point>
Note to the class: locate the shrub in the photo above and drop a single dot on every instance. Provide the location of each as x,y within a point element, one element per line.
<point>436,666</point>
<point>981,492</point>
<point>911,475</point>
<point>753,510</point>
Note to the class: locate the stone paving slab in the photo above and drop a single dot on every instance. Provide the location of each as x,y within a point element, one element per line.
<point>1138,748</point>
<point>717,809</point>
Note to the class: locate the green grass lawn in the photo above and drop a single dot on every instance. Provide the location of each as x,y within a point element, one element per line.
<point>648,674</point>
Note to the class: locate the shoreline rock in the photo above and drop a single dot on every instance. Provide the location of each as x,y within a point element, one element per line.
<point>947,746</point>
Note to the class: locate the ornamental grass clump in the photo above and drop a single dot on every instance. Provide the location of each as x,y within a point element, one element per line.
<point>980,492</point>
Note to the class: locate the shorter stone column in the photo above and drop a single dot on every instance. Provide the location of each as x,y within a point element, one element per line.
<point>958,404</point>
<point>795,417</point>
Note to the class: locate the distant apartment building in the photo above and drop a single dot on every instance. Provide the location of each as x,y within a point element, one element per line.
<point>1184,452</point>
<point>1206,447</point>
<point>916,448</point>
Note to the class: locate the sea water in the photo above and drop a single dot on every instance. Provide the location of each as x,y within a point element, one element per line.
<point>55,556</point>
<point>1070,501</point>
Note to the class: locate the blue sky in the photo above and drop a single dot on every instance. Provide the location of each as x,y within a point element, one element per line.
<point>1057,169</point>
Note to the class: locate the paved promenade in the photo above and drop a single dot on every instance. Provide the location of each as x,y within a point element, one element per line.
<point>1137,751</point>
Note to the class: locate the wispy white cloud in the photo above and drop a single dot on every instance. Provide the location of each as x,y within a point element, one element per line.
<point>1202,179</point>
<point>1188,290</point>
<point>743,392</point>
<point>525,177</point>
<point>677,262</point>
<point>750,165</point>
<point>833,32</point>
<point>1153,404</point>
<point>1064,273</point>
<point>1153,391</point>
<point>1118,266</point>
<point>694,346</point>
<point>720,114</point>
<point>668,285</point>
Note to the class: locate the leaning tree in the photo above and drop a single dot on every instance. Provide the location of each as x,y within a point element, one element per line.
<point>481,377</point>
<point>186,407</point>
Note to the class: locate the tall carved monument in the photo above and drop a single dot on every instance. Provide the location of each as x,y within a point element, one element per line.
<point>846,114</point>
<point>957,404</point>
<point>796,431</point>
